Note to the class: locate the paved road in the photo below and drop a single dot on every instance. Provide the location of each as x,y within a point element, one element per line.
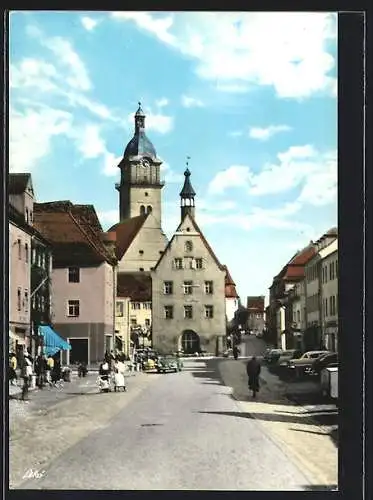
<point>183,431</point>
<point>251,346</point>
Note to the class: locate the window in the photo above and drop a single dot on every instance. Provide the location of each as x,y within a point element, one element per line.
<point>141,252</point>
<point>168,287</point>
<point>188,312</point>
<point>188,246</point>
<point>27,217</point>
<point>188,229</point>
<point>198,263</point>
<point>331,271</point>
<point>74,275</point>
<point>209,311</point>
<point>142,210</point>
<point>188,287</point>
<point>336,268</point>
<point>119,309</point>
<point>73,308</point>
<point>147,305</point>
<point>42,303</point>
<point>209,289</point>
<point>147,322</point>
<point>146,194</point>
<point>336,304</point>
<point>19,249</point>
<point>26,301</point>
<point>19,298</point>
<point>141,269</point>
<point>30,215</point>
<point>168,312</point>
<point>298,316</point>
<point>178,263</point>
<point>133,321</point>
<point>150,209</point>
<point>26,252</point>
<point>135,305</point>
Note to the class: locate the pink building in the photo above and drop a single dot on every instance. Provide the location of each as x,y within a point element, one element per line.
<point>83,278</point>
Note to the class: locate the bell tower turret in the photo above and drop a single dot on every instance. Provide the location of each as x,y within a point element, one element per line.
<point>187,195</point>
<point>140,184</point>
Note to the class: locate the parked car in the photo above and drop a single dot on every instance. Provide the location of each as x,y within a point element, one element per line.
<point>272,355</point>
<point>287,355</point>
<point>322,362</point>
<point>169,363</point>
<point>305,361</point>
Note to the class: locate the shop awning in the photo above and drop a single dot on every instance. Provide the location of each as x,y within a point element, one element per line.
<point>52,342</point>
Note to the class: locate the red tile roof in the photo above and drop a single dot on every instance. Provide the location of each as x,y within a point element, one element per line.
<point>126,232</point>
<point>230,285</point>
<point>255,303</point>
<point>74,232</point>
<point>136,286</point>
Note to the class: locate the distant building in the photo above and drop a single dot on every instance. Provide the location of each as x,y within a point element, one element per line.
<point>83,277</point>
<point>188,288</point>
<point>231,297</point>
<point>255,313</point>
<point>313,335</point>
<point>280,312</point>
<point>329,294</point>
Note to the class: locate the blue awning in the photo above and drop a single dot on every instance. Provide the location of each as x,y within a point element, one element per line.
<point>52,341</point>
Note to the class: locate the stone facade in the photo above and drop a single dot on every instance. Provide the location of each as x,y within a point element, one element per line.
<point>182,287</point>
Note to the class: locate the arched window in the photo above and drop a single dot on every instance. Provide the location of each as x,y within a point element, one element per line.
<point>149,209</point>
<point>142,210</point>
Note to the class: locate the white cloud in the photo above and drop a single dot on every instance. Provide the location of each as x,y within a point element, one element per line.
<point>31,133</point>
<point>303,167</point>
<point>161,103</point>
<point>263,134</point>
<point>170,176</point>
<point>191,102</point>
<point>33,73</point>
<point>155,121</point>
<point>89,142</point>
<point>89,23</point>
<point>234,176</point>
<point>110,164</point>
<point>235,50</point>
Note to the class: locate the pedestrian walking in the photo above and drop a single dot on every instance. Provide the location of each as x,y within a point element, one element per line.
<point>26,373</point>
<point>56,373</point>
<point>40,370</point>
<point>13,368</point>
<point>253,371</point>
<point>49,368</point>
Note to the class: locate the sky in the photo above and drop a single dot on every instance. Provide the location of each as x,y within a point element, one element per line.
<point>251,98</point>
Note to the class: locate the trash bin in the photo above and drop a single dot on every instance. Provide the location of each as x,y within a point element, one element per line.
<point>66,375</point>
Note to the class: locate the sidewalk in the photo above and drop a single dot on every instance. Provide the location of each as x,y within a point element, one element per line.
<point>306,441</point>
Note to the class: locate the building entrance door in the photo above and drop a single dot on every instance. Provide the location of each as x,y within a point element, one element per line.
<point>79,351</point>
<point>190,342</point>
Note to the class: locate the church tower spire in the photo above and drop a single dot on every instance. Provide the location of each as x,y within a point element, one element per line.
<point>187,195</point>
<point>140,184</point>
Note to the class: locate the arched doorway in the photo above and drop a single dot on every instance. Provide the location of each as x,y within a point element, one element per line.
<point>190,342</point>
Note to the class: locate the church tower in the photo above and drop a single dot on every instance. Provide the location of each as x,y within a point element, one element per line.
<point>187,195</point>
<point>140,185</point>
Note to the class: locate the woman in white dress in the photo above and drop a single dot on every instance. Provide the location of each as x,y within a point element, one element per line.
<point>119,379</point>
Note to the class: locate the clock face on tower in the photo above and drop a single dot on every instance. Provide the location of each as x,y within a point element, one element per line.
<point>144,163</point>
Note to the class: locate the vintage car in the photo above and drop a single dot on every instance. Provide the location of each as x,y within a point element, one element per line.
<point>287,355</point>
<point>299,366</point>
<point>322,362</point>
<point>272,355</point>
<point>169,363</point>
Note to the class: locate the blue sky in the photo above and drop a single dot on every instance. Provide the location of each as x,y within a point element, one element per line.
<point>250,97</point>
